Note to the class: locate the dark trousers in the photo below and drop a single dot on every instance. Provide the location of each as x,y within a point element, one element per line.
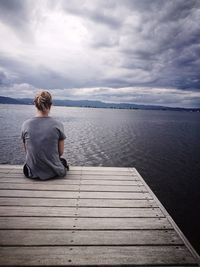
<point>27,170</point>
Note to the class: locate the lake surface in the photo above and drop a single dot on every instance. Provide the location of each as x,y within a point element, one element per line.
<point>164,146</point>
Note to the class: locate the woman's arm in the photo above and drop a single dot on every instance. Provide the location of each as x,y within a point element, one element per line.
<point>61,147</point>
<point>24,146</point>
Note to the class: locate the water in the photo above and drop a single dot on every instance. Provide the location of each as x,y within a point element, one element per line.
<point>163,145</point>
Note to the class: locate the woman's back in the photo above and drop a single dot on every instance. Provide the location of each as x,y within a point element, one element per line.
<point>41,136</point>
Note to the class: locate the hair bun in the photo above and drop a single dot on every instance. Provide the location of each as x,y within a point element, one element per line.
<point>43,101</point>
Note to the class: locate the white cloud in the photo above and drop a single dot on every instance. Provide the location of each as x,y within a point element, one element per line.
<point>139,95</point>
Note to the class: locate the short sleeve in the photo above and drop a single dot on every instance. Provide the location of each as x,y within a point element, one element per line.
<point>22,133</point>
<point>62,135</point>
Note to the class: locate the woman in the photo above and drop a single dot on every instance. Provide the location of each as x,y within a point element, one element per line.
<point>43,139</point>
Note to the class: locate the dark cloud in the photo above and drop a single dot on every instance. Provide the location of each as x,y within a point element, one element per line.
<point>15,13</point>
<point>96,11</point>
<point>12,7</point>
<point>3,78</point>
<point>143,5</point>
<point>169,42</point>
<point>40,77</point>
<point>176,10</point>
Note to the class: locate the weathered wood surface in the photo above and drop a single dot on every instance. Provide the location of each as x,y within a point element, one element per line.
<point>81,212</point>
<point>78,187</point>
<point>96,216</point>
<point>83,202</point>
<point>71,181</point>
<point>96,256</point>
<point>84,223</point>
<point>74,194</point>
<point>88,237</point>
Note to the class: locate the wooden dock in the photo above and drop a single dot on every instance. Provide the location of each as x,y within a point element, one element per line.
<point>96,216</point>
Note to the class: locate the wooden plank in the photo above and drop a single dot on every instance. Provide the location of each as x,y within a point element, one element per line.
<point>67,181</point>
<point>9,166</point>
<point>130,188</point>
<point>107,169</point>
<point>37,202</point>
<point>39,186</point>
<point>48,194</point>
<point>10,175</point>
<point>69,237</point>
<point>89,169</point>
<point>81,203</point>
<point>16,172</point>
<point>96,256</point>
<point>3,171</point>
<point>119,212</point>
<point>106,182</point>
<point>80,212</point>
<point>124,195</point>
<point>110,177</point>
<point>56,187</point>
<point>97,172</point>
<point>67,194</point>
<point>9,169</point>
<point>102,173</point>
<point>23,180</point>
<point>84,223</point>
<point>85,177</point>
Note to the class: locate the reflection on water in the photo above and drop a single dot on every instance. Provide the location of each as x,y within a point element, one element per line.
<point>163,145</point>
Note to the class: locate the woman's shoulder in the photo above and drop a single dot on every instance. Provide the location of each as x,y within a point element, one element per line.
<point>42,121</point>
<point>55,122</point>
<point>27,122</point>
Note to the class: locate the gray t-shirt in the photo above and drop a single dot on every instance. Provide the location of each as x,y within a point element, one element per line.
<point>41,136</point>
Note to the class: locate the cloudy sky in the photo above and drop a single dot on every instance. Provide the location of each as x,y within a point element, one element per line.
<point>133,51</point>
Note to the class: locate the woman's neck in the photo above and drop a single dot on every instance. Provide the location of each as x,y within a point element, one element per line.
<point>42,113</point>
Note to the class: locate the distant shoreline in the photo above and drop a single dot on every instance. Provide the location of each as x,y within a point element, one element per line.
<point>94,104</point>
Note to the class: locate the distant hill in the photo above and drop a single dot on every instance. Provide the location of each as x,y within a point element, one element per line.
<point>92,104</point>
<point>16,101</point>
<point>99,104</point>
<point>8,100</point>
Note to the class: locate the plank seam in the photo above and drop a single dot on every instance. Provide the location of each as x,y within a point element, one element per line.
<point>56,190</point>
<point>99,245</point>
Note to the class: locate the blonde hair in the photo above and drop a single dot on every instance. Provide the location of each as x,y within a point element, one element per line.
<point>43,101</point>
